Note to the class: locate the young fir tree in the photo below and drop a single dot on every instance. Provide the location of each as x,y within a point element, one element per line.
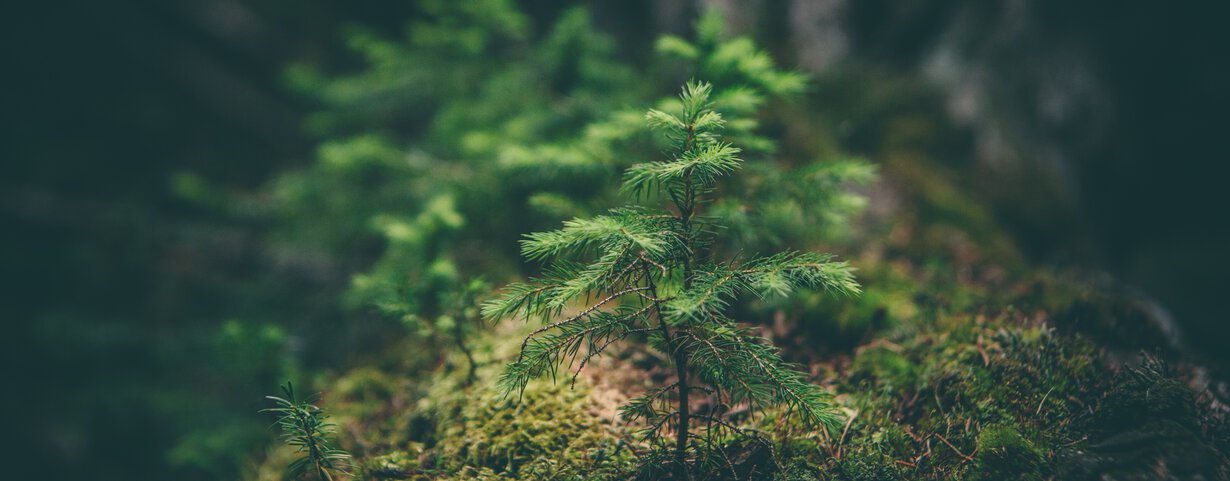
<point>305,426</point>
<point>646,274</point>
<point>462,318</point>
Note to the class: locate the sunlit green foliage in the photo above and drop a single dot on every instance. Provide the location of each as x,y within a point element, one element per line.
<point>525,132</point>
<point>436,194</point>
<point>646,273</point>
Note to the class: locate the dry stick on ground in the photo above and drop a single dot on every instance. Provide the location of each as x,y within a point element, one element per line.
<point>954,448</point>
<point>1048,394</point>
<point>986,360</point>
<point>845,430</point>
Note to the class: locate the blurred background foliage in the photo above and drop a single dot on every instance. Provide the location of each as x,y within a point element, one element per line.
<point>203,199</point>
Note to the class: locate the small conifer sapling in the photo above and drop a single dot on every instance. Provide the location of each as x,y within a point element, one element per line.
<point>305,426</point>
<point>462,318</point>
<point>646,273</point>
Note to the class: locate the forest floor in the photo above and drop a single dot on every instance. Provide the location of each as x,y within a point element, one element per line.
<point>959,361</point>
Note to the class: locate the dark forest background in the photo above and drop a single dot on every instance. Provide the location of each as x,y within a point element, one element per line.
<point>1094,130</point>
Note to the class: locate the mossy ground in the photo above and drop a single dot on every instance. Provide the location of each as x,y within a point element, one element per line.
<point>958,363</point>
<point>961,391</point>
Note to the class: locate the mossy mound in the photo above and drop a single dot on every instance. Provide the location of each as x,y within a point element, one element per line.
<point>551,431</point>
<point>956,397</point>
<point>442,428</point>
<point>949,396</point>
<point>961,390</point>
<point>1003,453</point>
<point>1149,425</point>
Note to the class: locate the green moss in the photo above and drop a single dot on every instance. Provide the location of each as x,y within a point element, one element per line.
<point>1003,453</point>
<point>932,400</point>
<point>958,392</point>
<point>1148,425</point>
<point>551,424</point>
<point>1150,391</point>
<point>439,429</point>
<point>365,385</point>
<point>553,431</point>
<point>877,467</point>
<point>884,368</point>
<point>396,464</point>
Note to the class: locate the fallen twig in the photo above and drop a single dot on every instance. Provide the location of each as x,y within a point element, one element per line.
<point>844,431</point>
<point>1048,393</point>
<point>954,448</point>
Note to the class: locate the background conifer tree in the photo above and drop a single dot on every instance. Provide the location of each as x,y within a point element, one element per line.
<point>646,273</point>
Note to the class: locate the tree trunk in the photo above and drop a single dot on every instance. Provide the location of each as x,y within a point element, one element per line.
<point>681,434</point>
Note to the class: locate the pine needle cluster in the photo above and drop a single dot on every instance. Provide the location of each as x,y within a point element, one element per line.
<point>305,426</point>
<point>647,274</point>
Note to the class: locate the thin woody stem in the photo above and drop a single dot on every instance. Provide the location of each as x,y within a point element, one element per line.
<point>681,368</point>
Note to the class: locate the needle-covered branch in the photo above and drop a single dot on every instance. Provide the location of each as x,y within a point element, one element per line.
<point>305,426</point>
<point>715,285</point>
